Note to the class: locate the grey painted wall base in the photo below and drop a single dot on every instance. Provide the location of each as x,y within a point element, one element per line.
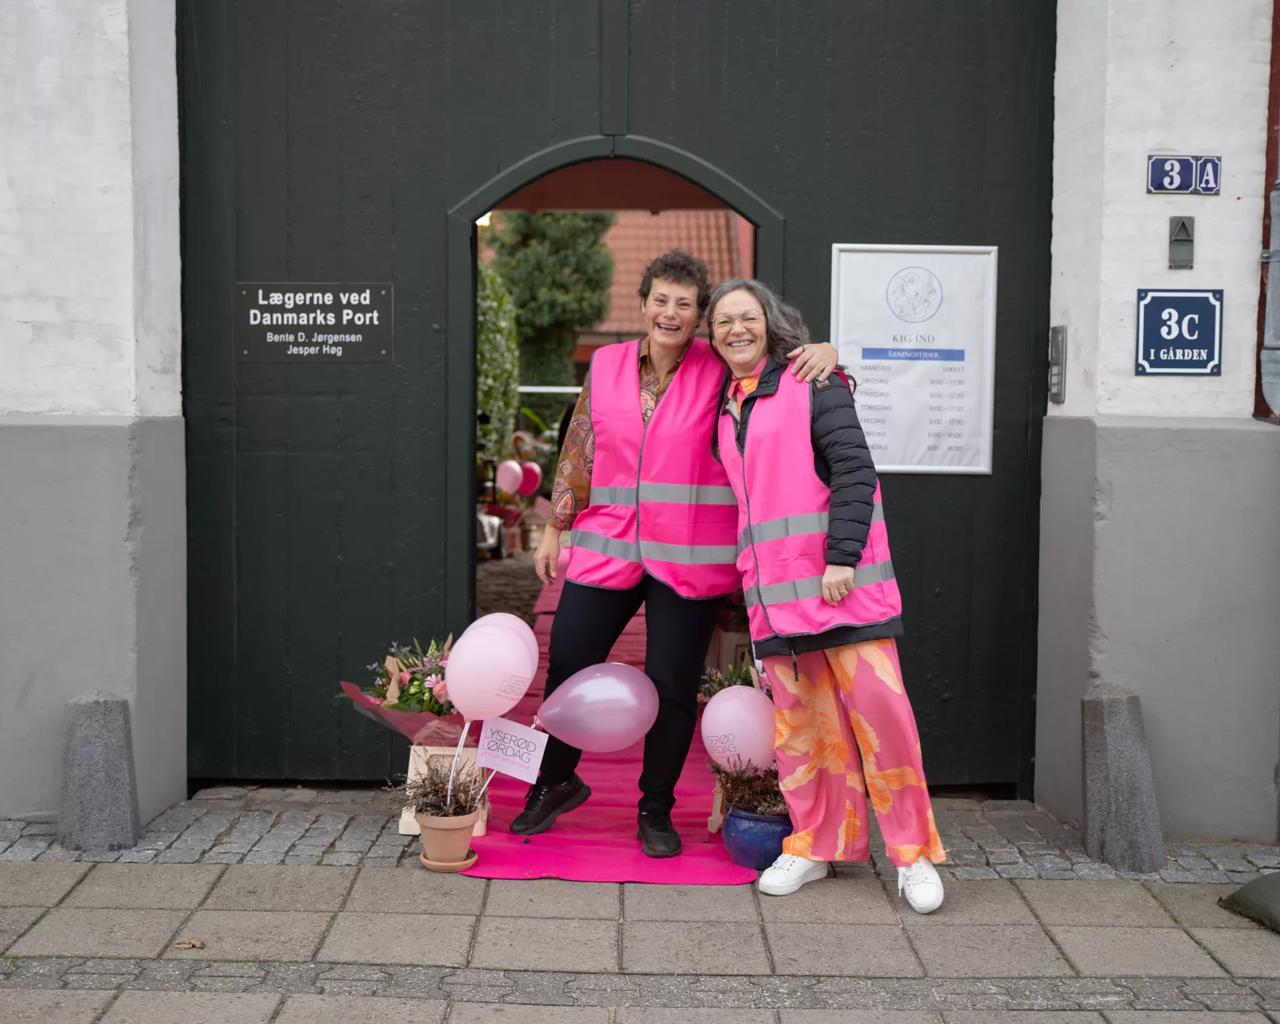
<point>1159,551</point>
<point>92,596</point>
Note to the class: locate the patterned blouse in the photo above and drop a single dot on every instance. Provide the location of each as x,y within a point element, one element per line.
<point>571,492</point>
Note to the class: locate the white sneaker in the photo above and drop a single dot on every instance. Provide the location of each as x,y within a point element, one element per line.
<point>786,874</point>
<point>921,885</point>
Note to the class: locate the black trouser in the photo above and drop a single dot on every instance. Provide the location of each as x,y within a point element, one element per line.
<point>587,623</point>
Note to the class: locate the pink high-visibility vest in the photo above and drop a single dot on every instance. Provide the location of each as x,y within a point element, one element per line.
<point>783,510</point>
<point>660,502</point>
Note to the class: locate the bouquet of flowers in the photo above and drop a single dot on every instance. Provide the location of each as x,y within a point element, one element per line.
<point>408,694</point>
<point>411,679</point>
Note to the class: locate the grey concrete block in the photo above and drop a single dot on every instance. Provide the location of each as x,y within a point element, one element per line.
<point>27,1006</point>
<point>1122,820</point>
<point>99,787</point>
<point>520,944</point>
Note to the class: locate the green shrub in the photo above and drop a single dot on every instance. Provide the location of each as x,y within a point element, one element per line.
<point>497,365</point>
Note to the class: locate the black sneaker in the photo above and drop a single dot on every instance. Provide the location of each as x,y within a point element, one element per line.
<point>546,803</point>
<point>658,837</point>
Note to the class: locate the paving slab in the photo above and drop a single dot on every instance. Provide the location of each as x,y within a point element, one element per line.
<point>436,939</point>
<point>642,902</point>
<point>14,921</point>
<point>539,944</point>
<point>832,901</point>
<point>1095,903</point>
<point>1134,952</point>
<point>251,935</point>
<point>396,891</point>
<point>692,1015</point>
<point>91,932</point>
<point>1245,952</point>
<point>1025,1017</point>
<point>1164,1017</point>
<point>502,1013</point>
<point>46,1006</point>
<point>874,950</point>
<point>154,886</point>
<point>860,1017</point>
<point>976,902</point>
<point>1195,904</point>
<point>37,885</point>
<point>281,887</point>
<point>986,951</point>
<point>192,1008</point>
<point>311,1009</point>
<point>655,947</point>
<point>550,897</point>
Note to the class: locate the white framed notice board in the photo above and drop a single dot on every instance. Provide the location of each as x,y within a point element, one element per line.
<point>916,326</point>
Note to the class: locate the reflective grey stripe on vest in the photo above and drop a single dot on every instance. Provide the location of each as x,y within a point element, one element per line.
<point>688,494</point>
<point>794,526</point>
<point>611,546</point>
<point>613,496</point>
<point>795,590</point>
<point>680,494</point>
<point>786,526</point>
<point>689,554</point>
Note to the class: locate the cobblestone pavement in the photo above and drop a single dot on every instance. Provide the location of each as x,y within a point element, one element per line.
<point>507,585</point>
<point>347,827</point>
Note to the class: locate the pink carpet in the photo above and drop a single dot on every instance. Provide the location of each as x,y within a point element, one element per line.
<point>597,841</point>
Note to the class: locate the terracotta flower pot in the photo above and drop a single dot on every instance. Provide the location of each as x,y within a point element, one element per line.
<point>446,842</point>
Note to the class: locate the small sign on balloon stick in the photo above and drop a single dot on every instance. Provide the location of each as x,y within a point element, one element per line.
<point>511,748</point>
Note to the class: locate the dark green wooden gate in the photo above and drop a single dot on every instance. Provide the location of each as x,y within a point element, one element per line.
<point>330,505</point>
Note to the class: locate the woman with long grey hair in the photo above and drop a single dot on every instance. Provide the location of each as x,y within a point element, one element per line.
<point>822,603</point>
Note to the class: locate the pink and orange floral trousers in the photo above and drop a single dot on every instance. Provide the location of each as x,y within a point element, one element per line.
<point>846,733</point>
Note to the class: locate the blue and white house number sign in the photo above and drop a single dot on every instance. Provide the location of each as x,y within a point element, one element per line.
<point>1185,175</point>
<point>1179,333</point>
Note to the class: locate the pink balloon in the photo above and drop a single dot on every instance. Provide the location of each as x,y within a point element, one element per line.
<point>532,477</point>
<point>514,625</point>
<point>602,708</point>
<point>488,671</point>
<point>738,723</point>
<point>509,476</point>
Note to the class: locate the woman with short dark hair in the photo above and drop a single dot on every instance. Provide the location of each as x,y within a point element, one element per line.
<point>822,604</point>
<point>654,523</point>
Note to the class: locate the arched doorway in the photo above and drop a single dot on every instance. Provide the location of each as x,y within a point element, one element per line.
<point>554,177</point>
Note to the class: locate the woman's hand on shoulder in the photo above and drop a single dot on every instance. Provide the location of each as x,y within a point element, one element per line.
<point>813,361</point>
<point>547,557</point>
<point>837,581</point>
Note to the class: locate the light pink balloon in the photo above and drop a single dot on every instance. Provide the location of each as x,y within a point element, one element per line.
<point>532,478</point>
<point>514,625</point>
<point>488,671</point>
<point>601,708</point>
<point>509,476</point>
<point>738,723</point>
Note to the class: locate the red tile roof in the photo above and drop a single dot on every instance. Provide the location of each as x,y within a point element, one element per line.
<point>637,236</point>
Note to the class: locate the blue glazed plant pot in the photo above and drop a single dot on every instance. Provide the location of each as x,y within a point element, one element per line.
<point>754,840</point>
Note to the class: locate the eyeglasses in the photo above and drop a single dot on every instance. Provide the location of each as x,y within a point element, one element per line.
<point>749,320</point>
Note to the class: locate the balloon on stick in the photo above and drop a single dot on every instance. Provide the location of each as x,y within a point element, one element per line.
<point>532,478</point>
<point>738,726</point>
<point>509,624</point>
<point>509,476</point>
<point>601,708</point>
<point>488,671</point>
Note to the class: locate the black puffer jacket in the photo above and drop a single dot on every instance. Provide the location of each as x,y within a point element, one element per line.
<point>843,462</point>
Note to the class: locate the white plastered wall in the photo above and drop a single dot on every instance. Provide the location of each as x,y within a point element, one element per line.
<point>1139,77</point>
<point>89,260</point>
